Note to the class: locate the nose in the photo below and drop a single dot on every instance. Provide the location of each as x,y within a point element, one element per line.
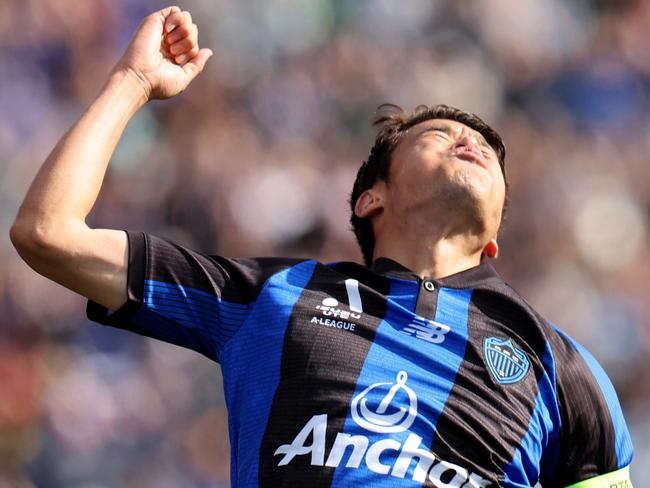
<point>468,141</point>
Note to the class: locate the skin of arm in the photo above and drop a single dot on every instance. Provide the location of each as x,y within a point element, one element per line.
<point>50,232</point>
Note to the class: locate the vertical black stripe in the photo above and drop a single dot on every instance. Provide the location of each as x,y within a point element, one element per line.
<point>427,301</point>
<point>587,437</point>
<point>483,422</point>
<point>319,371</point>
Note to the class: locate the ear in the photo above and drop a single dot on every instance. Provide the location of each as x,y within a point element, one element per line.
<point>368,204</point>
<point>491,249</point>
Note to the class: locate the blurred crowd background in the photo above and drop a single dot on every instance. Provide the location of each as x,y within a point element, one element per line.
<point>258,158</point>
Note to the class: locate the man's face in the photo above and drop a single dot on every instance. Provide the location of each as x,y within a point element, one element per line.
<point>445,163</point>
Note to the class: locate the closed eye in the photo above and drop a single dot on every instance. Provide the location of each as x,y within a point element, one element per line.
<point>438,131</point>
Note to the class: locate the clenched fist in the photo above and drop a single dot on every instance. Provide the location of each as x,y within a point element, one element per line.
<point>164,54</point>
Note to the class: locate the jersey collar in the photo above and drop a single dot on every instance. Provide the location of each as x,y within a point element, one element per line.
<point>468,278</point>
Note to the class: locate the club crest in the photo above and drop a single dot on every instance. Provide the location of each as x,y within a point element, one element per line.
<point>507,363</point>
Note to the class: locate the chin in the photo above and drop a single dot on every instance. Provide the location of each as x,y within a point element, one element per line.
<point>466,185</point>
<point>475,177</point>
<point>464,197</point>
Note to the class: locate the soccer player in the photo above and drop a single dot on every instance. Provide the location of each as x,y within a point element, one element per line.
<point>421,368</point>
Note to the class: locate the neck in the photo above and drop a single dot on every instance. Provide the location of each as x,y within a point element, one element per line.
<point>432,257</point>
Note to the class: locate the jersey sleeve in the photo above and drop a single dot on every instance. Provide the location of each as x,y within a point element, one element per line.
<point>184,297</point>
<point>595,448</point>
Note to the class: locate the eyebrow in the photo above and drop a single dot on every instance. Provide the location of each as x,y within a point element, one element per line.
<point>447,130</point>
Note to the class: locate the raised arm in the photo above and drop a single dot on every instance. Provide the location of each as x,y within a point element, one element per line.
<point>50,232</point>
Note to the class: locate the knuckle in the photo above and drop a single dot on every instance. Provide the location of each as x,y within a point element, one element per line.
<point>178,18</point>
<point>179,33</point>
<point>181,46</point>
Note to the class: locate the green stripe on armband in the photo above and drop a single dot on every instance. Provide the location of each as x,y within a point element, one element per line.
<point>615,479</point>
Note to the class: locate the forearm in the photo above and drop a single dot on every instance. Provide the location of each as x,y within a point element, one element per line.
<point>67,184</point>
<point>50,231</point>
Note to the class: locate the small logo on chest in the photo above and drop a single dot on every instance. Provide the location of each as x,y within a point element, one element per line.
<point>427,330</point>
<point>507,363</point>
<point>331,313</point>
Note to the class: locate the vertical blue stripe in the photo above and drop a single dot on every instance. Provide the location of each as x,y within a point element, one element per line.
<point>540,444</point>
<point>500,362</point>
<point>404,292</point>
<point>431,370</point>
<point>624,449</point>
<point>251,368</point>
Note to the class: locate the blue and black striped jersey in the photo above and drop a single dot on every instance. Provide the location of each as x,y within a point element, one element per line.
<point>340,374</point>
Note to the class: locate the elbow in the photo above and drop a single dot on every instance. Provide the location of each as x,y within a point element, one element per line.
<point>16,236</point>
<point>26,238</point>
<point>33,240</point>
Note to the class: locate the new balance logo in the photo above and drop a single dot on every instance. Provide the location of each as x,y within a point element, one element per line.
<point>427,330</point>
